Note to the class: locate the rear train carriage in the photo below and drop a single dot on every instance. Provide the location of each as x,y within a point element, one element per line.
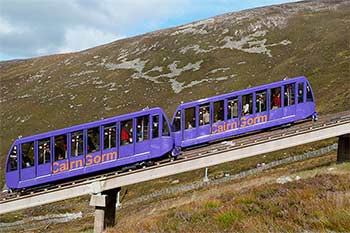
<point>243,111</point>
<point>88,148</point>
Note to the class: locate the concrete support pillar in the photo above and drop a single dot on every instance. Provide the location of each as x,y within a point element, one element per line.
<point>105,209</point>
<point>343,149</point>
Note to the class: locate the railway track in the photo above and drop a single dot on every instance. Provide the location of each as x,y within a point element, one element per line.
<point>194,153</point>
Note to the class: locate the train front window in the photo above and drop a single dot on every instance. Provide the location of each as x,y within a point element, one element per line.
<point>309,97</point>
<point>275,98</point>
<point>27,154</point>
<point>60,147</point>
<point>219,113</point>
<point>289,96</point>
<point>247,104</point>
<point>12,162</point>
<point>109,136</point>
<point>77,146</point>
<point>300,92</point>
<point>126,132</point>
<point>190,118</point>
<point>261,101</point>
<point>93,139</point>
<point>232,108</point>
<point>177,121</point>
<point>142,128</point>
<point>204,114</point>
<point>44,151</point>
<point>166,131</point>
<point>155,126</point>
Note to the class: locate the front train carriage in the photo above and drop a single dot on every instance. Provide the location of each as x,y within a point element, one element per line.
<point>88,148</point>
<point>243,111</point>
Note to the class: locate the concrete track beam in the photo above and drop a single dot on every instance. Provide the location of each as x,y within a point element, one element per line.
<point>105,209</point>
<point>343,154</point>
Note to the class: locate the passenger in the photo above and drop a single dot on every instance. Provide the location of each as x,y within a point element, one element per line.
<point>220,114</point>
<point>189,125</point>
<point>246,109</point>
<point>125,137</point>
<point>276,101</point>
<point>91,145</point>
<point>235,109</point>
<point>206,117</point>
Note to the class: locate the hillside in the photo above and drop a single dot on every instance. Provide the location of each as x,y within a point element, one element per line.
<point>162,68</point>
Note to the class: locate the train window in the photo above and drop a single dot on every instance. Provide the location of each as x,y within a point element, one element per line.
<point>300,92</point>
<point>77,145</point>
<point>219,114</point>
<point>109,136</point>
<point>142,128</point>
<point>204,114</point>
<point>166,131</point>
<point>177,121</point>
<point>275,98</point>
<point>44,151</point>
<point>232,108</point>
<point>309,97</point>
<point>289,94</point>
<point>27,154</point>
<point>12,166</point>
<point>261,101</point>
<point>60,147</point>
<point>155,126</point>
<point>247,104</point>
<point>126,132</point>
<point>190,118</point>
<point>93,139</point>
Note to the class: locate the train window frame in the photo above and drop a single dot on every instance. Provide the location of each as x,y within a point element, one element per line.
<point>81,146</point>
<point>204,114</point>
<point>13,157</point>
<point>177,121</point>
<point>301,93</point>
<point>261,95</point>
<point>192,123</point>
<point>247,104</point>
<point>65,149</point>
<point>309,97</point>
<point>31,162</point>
<point>219,110</point>
<point>230,108</point>
<point>273,99</point>
<point>165,127</point>
<point>155,126</point>
<point>129,132</point>
<point>143,130</point>
<point>111,129</point>
<point>43,142</point>
<point>289,97</point>
<point>93,134</point>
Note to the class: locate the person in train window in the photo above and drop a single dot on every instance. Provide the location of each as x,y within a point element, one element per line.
<point>206,117</point>
<point>192,123</point>
<point>91,145</point>
<point>246,109</point>
<point>276,101</point>
<point>125,137</point>
<point>235,109</point>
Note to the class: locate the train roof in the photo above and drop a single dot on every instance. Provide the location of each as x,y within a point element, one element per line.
<point>242,92</point>
<point>88,125</point>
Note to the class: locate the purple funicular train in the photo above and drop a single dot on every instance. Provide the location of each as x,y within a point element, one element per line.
<point>146,135</point>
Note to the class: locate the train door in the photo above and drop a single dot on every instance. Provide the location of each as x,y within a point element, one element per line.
<point>261,107</point>
<point>142,145</point>
<point>156,140</point>
<point>76,149</point>
<point>109,142</point>
<point>289,103</point>
<point>276,111</point>
<point>27,153</point>
<point>218,117</point>
<point>126,147</point>
<point>44,157</point>
<point>60,154</point>
<point>190,120</point>
<point>12,172</point>
<point>177,128</point>
<point>204,120</point>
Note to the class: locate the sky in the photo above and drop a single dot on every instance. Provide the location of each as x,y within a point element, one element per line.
<point>31,28</point>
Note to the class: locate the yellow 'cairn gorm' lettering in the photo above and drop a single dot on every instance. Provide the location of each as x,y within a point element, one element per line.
<point>89,160</point>
<point>220,127</point>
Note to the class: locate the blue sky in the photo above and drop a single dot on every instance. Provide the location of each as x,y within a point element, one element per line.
<point>30,28</point>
